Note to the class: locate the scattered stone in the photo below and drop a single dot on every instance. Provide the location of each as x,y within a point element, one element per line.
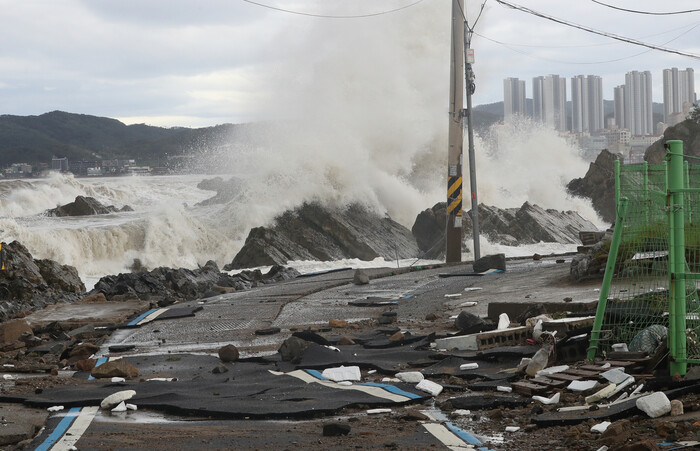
<point>560,260</point>
<point>115,398</point>
<point>390,314</point>
<point>384,320</point>
<point>536,257</point>
<point>414,415</point>
<point>121,348</point>
<point>468,323</point>
<point>665,428</point>
<point>115,368</point>
<point>292,349</point>
<point>432,317</point>
<point>228,353</point>
<point>335,429</point>
<point>360,277</point>
<point>568,299</point>
<point>85,364</point>
<point>676,408</point>
<point>220,369</point>
<point>82,351</point>
<point>495,261</point>
<point>96,297</point>
<point>345,341</point>
<point>11,330</point>
<point>337,323</point>
<point>398,336</point>
<point>654,405</point>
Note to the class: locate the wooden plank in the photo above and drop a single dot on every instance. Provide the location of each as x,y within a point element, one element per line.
<point>582,373</point>
<point>620,363</point>
<point>528,388</point>
<point>565,377</point>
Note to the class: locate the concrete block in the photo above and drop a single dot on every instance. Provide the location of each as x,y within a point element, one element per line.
<point>676,408</point>
<point>115,398</point>
<point>485,340</point>
<point>615,376</point>
<point>429,387</point>
<point>655,404</point>
<point>343,373</point>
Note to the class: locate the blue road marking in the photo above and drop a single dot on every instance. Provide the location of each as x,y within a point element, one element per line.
<point>140,317</point>
<point>393,389</point>
<point>464,435</point>
<point>60,429</point>
<point>316,374</point>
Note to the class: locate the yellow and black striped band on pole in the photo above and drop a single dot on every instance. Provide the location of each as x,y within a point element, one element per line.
<point>454,195</point>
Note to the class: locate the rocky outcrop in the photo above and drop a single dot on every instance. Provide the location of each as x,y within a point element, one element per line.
<point>313,232</point>
<point>85,206</point>
<point>591,264</point>
<point>528,224</point>
<point>29,284</point>
<point>167,285</point>
<point>687,131</point>
<point>599,185</point>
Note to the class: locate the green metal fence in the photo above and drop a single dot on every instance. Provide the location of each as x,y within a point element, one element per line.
<point>653,268</point>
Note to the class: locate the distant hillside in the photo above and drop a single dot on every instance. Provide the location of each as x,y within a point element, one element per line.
<point>35,139</point>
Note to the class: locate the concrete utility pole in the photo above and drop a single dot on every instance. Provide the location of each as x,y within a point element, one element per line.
<point>453,233</point>
<point>469,80</point>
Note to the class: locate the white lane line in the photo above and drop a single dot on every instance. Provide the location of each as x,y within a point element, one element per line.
<point>374,391</point>
<point>152,316</point>
<point>76,430</point>
<point>448,438</point>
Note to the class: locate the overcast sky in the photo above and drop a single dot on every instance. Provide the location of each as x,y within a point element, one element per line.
<point>205,62</point>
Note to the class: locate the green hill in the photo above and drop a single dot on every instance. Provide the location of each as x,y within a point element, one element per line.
<point>36,139</point>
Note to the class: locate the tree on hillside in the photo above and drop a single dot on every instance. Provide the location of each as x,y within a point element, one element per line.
<point>694,114</point>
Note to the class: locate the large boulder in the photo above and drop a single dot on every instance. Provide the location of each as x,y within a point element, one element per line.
<point>687,131</point>
<point>599,185</point>
<point>528,224</point>
<point>314,232</point>
<point>28,284</point>
<point>85,206</point>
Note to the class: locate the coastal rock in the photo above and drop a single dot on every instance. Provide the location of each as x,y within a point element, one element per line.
<point>85,206</point>
<point>226,190</point>
<point>598,185</point>
<point>314,232</point>
<point>687,131</point>
<point>28,284</point>
<point>528,224</point>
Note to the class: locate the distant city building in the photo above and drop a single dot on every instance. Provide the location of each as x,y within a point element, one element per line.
<point>549,101</point>
<point>587,104</point>
<point>513,98</point>
<point>638,103</point>
<point>679,89</point>
<point>619,106</point>
<point>60,164</point>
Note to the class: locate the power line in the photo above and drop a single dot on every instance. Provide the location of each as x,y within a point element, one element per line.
<point>598,32</point>
<point>325,16</point>
<point>650,13</point>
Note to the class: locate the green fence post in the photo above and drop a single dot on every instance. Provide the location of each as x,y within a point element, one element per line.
<point>676,333</point>
<point>617,183</point>
<point>688,209</point>
<point>607,278</point>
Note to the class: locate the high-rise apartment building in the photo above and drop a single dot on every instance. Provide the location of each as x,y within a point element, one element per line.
<point>513,98</point>
<point>619,106</point>
<point>638,103</point>
<point>587,104</point>
<point>679,88</point>
<point>549,100</point>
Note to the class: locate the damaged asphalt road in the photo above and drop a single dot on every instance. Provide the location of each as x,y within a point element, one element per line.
<point>267,400</point>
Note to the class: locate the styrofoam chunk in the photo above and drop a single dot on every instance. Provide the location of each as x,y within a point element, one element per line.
<point>390,379</point>
<point>115,398</point>
<point>512,428</point>
<point>118,379</point>
<point>504,389</point>
<point>553,400</point>
<point>615,376</point>
<point>343,373</point>
<point>601,427</point>
<point>376,411</point>
<point>429,387</point>
<point>552,370</point>
<point>603,393</point>
<point>7,377</point>
<point>655,404</point>
<point>411,377</point>
<point>131,407</point>
<point>55,408</point>
<point>121,407</point>
<point>469,366</point>
<point>462,412</point>
<point>503,321</point>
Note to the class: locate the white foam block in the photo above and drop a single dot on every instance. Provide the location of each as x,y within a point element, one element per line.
<point>343,373</point>
<point>654,405</point>
<point>411,377</point>
<point>376,411</point>
<point>469,366</point>
<point>115,398</point>
<point>581,385</point>
<point>121,407</point>
<point>429,387</point>
<point>504,389</point>
<point>553,400</point>
<point>512,429</point>
<point>601,427</point>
